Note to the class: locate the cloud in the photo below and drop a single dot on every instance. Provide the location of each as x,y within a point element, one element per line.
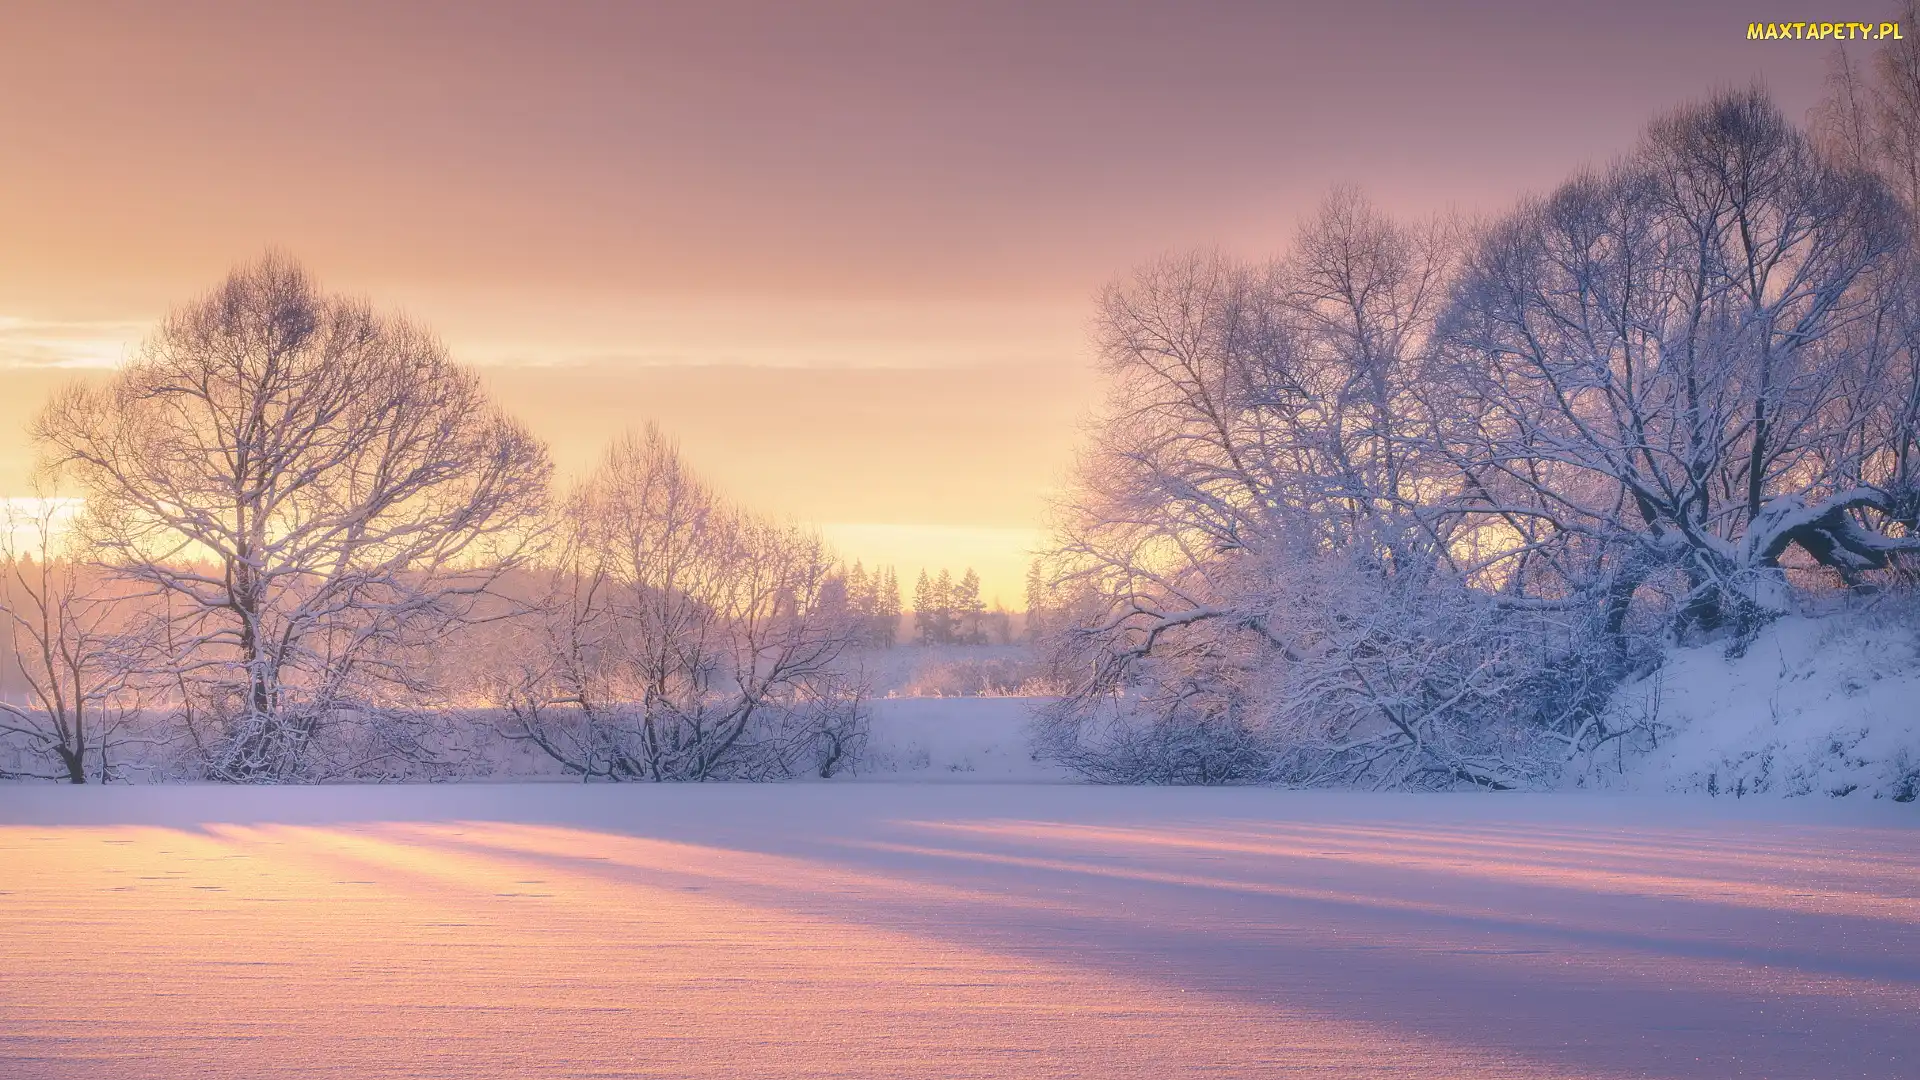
<point>46,343</point>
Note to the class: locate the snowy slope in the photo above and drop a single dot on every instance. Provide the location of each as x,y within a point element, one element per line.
<point>1816,706</point>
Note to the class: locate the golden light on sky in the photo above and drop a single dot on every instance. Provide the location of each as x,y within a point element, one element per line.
<point>845,252</point>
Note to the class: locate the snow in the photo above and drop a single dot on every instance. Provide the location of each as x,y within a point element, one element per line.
<point>1815,706</point>
<point>968,738</point>
<point>917,735</point>
<point>950,930</point>
<point>927,739</point>
<point>911,670</point>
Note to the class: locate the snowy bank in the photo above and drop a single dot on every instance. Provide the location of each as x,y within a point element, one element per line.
<point>1815,706</point>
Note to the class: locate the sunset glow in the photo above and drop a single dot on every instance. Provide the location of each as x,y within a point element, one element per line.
<point>848,259</point>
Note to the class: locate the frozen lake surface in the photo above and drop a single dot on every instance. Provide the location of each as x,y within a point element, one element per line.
<point>950,930</point>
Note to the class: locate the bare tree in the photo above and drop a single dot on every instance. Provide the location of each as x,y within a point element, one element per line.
<point>1844,124</point>
<point>1661,351</point>
<point>1258,419</point>
<point>1380,514</point>
<point>1870,120</point>
<point>685,639</point>
<point>307,490</point>
<point>1895,108</point>
<point>70,647</point>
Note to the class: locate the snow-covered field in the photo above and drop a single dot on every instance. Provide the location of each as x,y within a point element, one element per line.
<point>953,739</point>
<point>950,930</point>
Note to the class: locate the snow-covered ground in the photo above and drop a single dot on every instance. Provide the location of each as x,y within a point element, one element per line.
<point>950,930</point>
<point>966,738</point>
<point>1819,707</point>
<point>948,670</point>
<point>927,739</point>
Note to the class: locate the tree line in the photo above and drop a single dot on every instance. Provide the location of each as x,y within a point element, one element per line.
<point>309,537</point>
<point>949,612</point>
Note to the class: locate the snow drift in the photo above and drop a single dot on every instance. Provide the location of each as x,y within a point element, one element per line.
<point>1814,706</point>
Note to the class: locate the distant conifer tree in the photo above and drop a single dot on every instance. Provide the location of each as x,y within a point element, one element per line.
<point>969,612</point>
<point>886,607</point>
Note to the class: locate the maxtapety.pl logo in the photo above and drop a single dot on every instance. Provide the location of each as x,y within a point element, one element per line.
<point>1825,31</point>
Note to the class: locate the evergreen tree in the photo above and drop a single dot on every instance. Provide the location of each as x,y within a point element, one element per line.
<point>969,612</point>
<point>933,615</point>
<point>886,607</point>
<point>859,591</point>
<point>923,609</point>
<point>943,608</point>
<point>1036,602</point>
<point>836,602</point>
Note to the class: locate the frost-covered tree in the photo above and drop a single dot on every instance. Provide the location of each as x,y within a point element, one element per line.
<point>1262,423</point>
<point>308,491</point>
<point>683,638</point>
<point>873,600</point>
<point>70,648</point>
<point>1870,118</point>
<point>860,590</point>
<point>1401,510</point>
<point>1663,358</point>
<point>969,611</point>
<point>886,608</point>
<point>933,608</point>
